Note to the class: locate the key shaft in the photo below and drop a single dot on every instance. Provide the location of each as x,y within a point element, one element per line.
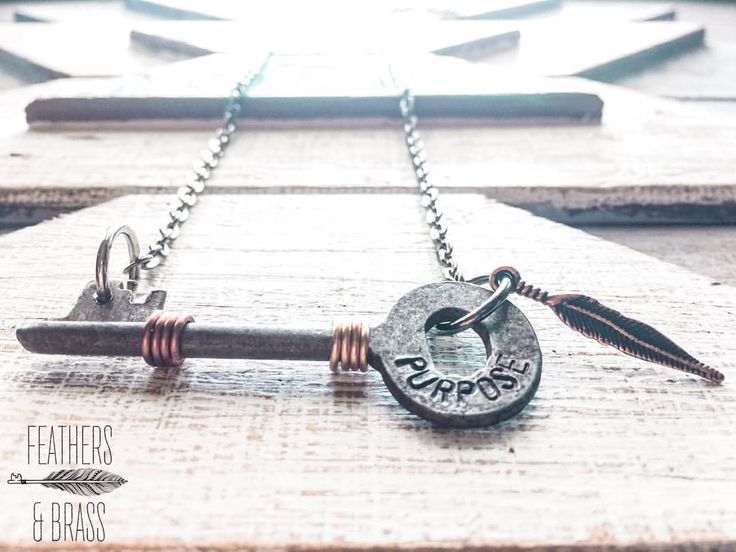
<point>198,340</point>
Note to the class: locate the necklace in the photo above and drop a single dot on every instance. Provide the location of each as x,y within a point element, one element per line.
<point>106,321</point>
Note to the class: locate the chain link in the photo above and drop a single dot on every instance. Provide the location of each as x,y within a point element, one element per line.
<point>429,194</point>
<point>203,167</point>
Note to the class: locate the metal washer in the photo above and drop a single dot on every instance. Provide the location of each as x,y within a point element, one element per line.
<point>496,391</point>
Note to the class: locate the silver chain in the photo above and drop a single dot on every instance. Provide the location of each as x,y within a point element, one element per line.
<point>204,166</point>
<point>429,194</point>
<point>208,161</point>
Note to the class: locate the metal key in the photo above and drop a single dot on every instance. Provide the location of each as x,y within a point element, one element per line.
<point>397,348</point>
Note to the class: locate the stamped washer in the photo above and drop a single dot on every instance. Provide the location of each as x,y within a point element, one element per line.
<point>493,393</point>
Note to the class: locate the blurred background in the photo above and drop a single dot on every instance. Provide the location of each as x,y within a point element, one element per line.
<point>617,117</point>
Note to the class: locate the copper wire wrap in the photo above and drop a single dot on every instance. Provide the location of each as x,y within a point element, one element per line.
<point>161,342</point>
<point>519,285</point>
<point>350,347</point>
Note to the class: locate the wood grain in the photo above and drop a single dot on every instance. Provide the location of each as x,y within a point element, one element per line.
<point>649,160</point>
<point>612,453</point>
<point>707,250</point>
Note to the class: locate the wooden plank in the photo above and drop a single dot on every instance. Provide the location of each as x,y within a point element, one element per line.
<point>76,11</point>
<point>225,10</point>
<point>612,49</point>
<point>466,9</point>
<point>506,9</point>
<point>350,85</point>
<point>597,10</point>
<point>707,74</point>
<point>648,161</point>
<point>548,47</point>
<point>707,250</point>
<point>612,453</point>
<point>42,51</point>
<point>8,79</point>
<point>460,38</point>
<point>168,10</point>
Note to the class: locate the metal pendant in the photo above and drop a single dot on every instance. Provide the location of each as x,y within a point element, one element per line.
<point>500,388</point>
<point>107,321</point>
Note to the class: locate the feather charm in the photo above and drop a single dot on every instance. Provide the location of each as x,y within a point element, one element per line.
<point>82,481</point>
<point>609,327</point>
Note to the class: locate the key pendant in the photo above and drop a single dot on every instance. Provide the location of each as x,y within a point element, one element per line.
<point>397,348</point>
<point>107,322</point>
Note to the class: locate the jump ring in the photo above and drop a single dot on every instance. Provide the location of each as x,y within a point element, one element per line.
<point>500,293</point>
<point>103,294</point>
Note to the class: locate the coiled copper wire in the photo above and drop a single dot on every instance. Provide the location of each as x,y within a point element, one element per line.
<point>350,347</point>
<point>520,286</point>
<point>161,342</point>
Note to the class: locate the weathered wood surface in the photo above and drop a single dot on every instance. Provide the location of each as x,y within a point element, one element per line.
<point>503,9</point>
<point>612,48</point>
<point>42,51</point>
<point>707,250</point>
<point>466,39</point>
<point>593,47</point>
<point>705,74</point>
<point>60,11</point>
<point>549,47</point>
<point>330,86</point>
<point>613,452</point>
<point>647,160</point>
<point>225,10</point>
<point>597,10</point>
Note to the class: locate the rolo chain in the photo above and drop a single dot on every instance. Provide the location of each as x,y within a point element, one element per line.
<point>202,170</point>
<point>434,216</point>
<point>208,160</point>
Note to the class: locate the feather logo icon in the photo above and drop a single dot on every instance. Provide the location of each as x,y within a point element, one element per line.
<point>82,481</point>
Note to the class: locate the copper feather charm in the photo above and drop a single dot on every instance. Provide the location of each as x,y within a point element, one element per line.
<point>609,327</point>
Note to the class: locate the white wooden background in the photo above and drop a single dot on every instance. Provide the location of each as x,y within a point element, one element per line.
<point>612,452</point>
<point>305,223</point>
